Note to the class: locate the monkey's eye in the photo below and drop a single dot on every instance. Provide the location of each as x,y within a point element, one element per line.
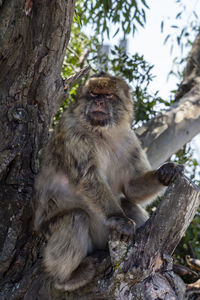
<point>93,94</point>
<point>109,96</point>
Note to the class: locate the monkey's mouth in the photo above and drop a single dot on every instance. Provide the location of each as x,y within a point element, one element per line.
<point>99,112</point>
<point>98,109</point>
<point>99,115</point>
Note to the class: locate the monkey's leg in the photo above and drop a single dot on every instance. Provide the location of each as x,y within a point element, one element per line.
<point>67,247</point>
<point>80,277</point>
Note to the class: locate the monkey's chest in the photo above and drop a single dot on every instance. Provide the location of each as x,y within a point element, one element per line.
<point>114,168</point>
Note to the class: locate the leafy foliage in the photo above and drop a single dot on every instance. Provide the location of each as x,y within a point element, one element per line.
<point>181,34</point>
<point>125,15</point>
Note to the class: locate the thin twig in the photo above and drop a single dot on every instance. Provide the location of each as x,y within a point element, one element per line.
<point>75,78</point>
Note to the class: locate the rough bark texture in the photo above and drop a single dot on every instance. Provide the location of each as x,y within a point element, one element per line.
<point>33,38</point>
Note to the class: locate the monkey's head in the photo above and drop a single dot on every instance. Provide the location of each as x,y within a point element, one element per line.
<point>105,101</point>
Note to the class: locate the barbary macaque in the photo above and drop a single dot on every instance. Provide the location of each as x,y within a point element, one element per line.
<point>94,178</point>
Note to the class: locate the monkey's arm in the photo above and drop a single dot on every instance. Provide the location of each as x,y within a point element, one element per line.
<point>146,186</point>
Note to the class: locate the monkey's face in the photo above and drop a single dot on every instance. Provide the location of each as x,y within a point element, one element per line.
<point>105,100</point>
<point>102,109</point>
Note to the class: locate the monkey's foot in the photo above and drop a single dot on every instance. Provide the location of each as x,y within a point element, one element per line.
<point>168,172</point>
<point>80,277</point>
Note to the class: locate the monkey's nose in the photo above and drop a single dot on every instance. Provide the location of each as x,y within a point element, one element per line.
<point>99,102</point>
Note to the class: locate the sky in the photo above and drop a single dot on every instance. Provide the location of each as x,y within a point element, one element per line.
<point>150,42</point>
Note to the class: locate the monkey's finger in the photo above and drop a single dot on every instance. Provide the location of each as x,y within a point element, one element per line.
<point>116,235</point>
<point>127,232</point>
<point>177,172</point>
<point>169,172</point>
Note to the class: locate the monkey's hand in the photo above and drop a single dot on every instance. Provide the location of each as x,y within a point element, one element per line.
<point>122,228</point>
<point>168,172</point>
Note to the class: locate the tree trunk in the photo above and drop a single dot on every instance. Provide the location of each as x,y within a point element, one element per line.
<point>33,39</point>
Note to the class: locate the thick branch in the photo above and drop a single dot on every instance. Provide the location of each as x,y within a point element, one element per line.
<point>168,132</point>
<point>168,224</point>
<point>174,215</point>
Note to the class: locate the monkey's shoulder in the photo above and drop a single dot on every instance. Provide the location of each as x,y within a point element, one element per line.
<point>122,154</point>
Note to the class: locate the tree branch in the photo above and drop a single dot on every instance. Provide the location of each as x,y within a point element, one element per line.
<point>165,134</point>
<point>191,73</point>
<point>76,78</point>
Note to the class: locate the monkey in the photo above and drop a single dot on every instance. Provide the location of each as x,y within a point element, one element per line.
<point>94,179</point>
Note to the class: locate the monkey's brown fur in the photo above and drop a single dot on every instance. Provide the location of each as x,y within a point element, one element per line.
<point>94,177</point>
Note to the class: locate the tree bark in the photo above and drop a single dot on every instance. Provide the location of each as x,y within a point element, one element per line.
<point>33,39</point>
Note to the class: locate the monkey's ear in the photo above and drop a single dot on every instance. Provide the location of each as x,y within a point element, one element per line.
<point>122,85</point>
